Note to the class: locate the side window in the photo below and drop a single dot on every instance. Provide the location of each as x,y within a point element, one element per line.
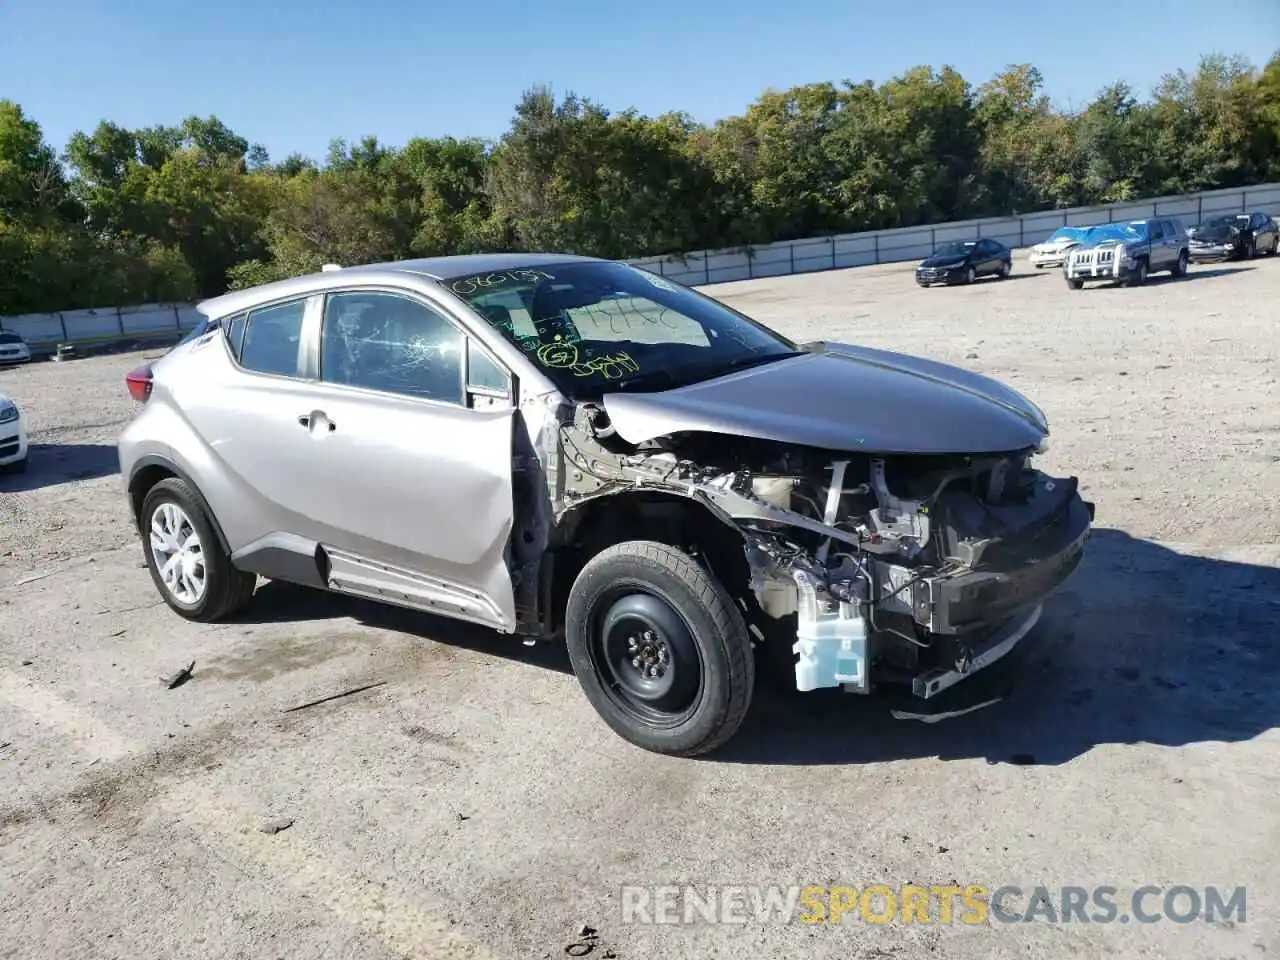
<point>234,329</point>
<point>388,342</point>
<point>483,373</point>
<point>271,339</point>
<point>1156,229</point>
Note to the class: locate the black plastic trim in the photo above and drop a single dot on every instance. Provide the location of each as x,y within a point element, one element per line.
<point>172,468</point>
<point>286,557</point>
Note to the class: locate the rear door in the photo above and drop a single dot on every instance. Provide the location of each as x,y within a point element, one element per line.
<point>409,478</point>
<point>242,404</point>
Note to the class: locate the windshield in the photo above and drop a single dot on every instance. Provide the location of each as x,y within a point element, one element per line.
<point>1118,231</point>
<point>593,327</point>
<point>7,337</point>
<point>957,249</point>
<point>1238,220</point>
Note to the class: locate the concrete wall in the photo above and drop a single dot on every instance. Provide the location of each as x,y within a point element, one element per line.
<point>915,243</point>
<point>46,330</point>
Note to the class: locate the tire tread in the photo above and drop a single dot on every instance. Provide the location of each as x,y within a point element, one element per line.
<point>730,628</point>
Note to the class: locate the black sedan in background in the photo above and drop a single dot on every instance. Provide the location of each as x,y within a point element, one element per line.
<point>1236,236</point>
<point>964,261</point>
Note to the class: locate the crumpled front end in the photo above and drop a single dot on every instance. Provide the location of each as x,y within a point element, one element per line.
<point>909,571</point>
<point>912,571</point>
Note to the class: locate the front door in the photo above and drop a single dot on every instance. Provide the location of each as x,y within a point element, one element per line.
<point>410,487</point>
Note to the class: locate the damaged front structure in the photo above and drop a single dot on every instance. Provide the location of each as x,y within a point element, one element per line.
<point>871,568</point>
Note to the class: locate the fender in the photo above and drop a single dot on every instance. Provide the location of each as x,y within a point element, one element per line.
<point>155,462</point>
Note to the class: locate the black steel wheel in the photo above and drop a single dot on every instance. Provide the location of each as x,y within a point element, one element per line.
<point>659,648</point>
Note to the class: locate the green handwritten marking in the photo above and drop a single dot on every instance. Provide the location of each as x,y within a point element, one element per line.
<point>564,356</point>
<point>558,356</point>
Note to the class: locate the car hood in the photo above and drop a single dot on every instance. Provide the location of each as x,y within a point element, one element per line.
<point>1052,246</point>
<point>943,260</point>
<point>839,396</point>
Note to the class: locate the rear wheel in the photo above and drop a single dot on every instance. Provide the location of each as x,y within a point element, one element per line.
<point>1179,269</point>
<point>1005,269</point>
<point>659,648</point>
<point>193,573</point>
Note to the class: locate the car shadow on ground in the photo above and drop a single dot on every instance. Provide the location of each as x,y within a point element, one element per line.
<point>49,464</point>
<point>1194,273</point>
<point>1142,645</point>
<point>276,602</point>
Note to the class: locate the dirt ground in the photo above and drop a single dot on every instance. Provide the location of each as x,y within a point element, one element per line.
<point>474,806</point>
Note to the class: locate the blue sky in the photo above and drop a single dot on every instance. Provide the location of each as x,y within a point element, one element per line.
<point>291,74</point>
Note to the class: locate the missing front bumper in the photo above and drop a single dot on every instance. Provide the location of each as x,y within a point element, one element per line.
<point>929,685</point>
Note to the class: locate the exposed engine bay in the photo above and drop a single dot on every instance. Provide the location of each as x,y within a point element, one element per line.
<point>904,569</point>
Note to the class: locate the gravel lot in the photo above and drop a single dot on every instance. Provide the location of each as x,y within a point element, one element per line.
<point>474,806</point>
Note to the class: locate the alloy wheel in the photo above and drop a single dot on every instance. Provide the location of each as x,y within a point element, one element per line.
<point>178,553</point>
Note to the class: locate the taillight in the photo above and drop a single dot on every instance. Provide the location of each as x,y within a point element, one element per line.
<point>139,383</point>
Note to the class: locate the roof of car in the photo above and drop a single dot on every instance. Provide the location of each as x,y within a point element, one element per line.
<point>435,268</point>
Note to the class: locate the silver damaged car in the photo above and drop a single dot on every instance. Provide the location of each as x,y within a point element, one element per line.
<point>576,450</point>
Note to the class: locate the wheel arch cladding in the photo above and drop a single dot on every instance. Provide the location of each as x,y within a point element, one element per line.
<point>678,521</point>
<point>149,471</point>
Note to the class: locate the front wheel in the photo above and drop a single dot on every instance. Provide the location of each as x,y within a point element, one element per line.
<point>1138,276</point>
<point>193,573</point>
<point>1075,284</point>
<point>970,275</point>
<point>1251,249</point>
<point>659,648</point>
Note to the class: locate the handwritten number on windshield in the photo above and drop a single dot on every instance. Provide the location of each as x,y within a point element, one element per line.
<point>487,281</point>
<point>564,356</point>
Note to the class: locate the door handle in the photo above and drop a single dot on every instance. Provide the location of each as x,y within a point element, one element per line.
<point>305,420</point>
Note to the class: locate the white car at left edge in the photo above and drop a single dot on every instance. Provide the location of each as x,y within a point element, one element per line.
<point>13,436</point>
<point>13,347</point>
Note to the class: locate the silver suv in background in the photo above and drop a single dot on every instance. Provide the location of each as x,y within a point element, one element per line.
<point>1129,252</point>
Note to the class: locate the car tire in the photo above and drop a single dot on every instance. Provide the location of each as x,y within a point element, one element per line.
<point>970,275</point>
<point>172,507</point>
<point>1075,284</point>
<point>648,603</point>
<point>1139,276</point>
<point>1179,269</point>
<point>1006,268</point>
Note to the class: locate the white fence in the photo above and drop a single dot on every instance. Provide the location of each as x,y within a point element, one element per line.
<point>45,330</point>
<point>916,243</point>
